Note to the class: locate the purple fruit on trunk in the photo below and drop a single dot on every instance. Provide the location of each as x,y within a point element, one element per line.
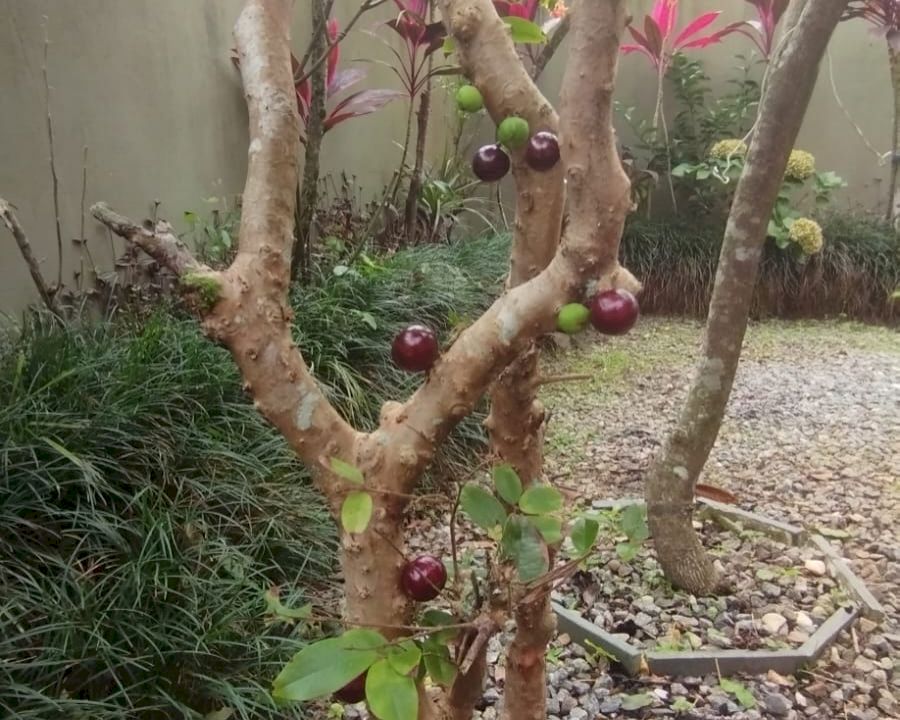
<point>542,151</point>
<point>423,578</point>
<point>490,163</point>
<point>415,349</point>
<point>614,312</point>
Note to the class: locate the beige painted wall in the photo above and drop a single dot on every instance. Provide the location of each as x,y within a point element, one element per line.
<point>148,87</point>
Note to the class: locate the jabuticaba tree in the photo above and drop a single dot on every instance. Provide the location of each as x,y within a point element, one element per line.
<point>368,477</point>
<point>671,481</point>
<point>406,658</point>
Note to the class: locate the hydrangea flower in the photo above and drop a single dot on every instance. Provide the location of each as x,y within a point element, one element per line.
<point>724,149</point>
<point>801,165</point>
<point>807,234</point>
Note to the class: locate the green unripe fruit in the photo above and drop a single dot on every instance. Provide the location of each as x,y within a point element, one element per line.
<point>468,99</point>
<point>572,318</point>
<point>513,132</point>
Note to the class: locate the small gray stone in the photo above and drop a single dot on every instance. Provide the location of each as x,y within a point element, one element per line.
<point>774,623</point>
<point>777,704</point>
<point>579,687</point>
<point>578,714</point>
<point>610,705</point>
<point>815,567</point>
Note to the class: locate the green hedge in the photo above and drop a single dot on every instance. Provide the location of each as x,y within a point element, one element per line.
<point>146,506</point>
<point>853,276</point>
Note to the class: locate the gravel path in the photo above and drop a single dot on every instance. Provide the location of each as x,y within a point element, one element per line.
<point>812,436</point>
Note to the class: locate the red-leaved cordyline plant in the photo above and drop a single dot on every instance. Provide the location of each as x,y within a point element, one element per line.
<point>362,102</point>
<point>421,38</point>
<point>657,41</point>
<point>762,31</point>
<point>883,14</point>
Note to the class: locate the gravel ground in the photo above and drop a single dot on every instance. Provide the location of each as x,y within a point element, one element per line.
<point>812,437</point>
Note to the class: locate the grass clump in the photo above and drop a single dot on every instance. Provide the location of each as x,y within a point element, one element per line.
<point>853,276</point>
<point>147,506</point>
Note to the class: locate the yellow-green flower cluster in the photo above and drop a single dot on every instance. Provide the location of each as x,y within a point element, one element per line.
<point>801,165</point>
<point>807,234</point>
<point>724,149</point>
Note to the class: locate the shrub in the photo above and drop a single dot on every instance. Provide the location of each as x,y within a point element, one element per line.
<point>147,507</point>
<point>854,275</point>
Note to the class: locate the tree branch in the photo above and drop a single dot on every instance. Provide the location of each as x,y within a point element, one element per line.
<point>550,47</point>
<point>12,224</point>
<point>670,482</point>
<point>159,242</point>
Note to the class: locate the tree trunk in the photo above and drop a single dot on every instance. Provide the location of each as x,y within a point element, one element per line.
<point>308,192</point>
<point>894,194</point>
<point>415,179</point>
<point>670,483</point>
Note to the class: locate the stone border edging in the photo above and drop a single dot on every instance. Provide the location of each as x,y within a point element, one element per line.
<point>636,661</point>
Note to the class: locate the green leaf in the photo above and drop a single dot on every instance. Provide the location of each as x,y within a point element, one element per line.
<point>404,656</point>
<point>703,173</point>
<point>634,523</point>
<point>540,499</point>
<point>682,704</point>
<point>439,618</point>
<point>524,31</point>
<point>523,544</point>
<point>346,471</point>
<point>549,527</point>
<point>481,506</point>
<point>508,484</point>
<point>741,693</point>
<point>390,695</point>
<point>681,170</point>
<point>438,663</point>
<point>225,239</point>
<point>326,666</point>
<point>636,702</point>
<point>584,534</point>
<point>356,512</point>
<point>274,606</point>
<point>449,46</point>
<point>627,551</point>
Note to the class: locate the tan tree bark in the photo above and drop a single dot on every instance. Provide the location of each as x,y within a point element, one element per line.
<point>671,480</point>
<point>245,307</point>
<point>894,58</point>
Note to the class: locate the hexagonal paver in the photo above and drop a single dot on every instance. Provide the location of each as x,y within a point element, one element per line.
<point>636,660</point>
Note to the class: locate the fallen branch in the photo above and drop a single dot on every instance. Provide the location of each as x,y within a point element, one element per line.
<point>12,224</point>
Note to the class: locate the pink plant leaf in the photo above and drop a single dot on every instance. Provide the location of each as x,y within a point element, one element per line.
<point>708,40</point>
<point>334,55</point>
<point>642,46</point>
<point>525,9</point>
<point>654,37</point>
<point>665,14</point>
<point>360,103</point>
<point>409,26</point>
<point>344,79</point>
<point>694,26</point>
<point>434,37</point>
<point>417,7</point>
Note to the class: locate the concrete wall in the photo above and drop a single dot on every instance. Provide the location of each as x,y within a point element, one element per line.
<point>148,88</point>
